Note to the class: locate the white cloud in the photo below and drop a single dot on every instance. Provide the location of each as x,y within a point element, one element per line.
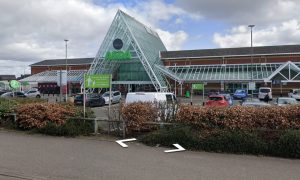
<point>32,30</point>
<point>287,32</point>
<point>173,41</point>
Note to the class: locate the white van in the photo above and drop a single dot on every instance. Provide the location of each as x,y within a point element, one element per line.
<point>150,97</point>
<point>263,91</point>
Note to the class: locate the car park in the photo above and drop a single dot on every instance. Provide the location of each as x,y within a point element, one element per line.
<point>115,97</point>
<point>284,101</point>
<point>34,93</point>
<point>17,94</point>
<point>294,93</point>
<point>91,100</point>
<point>263,91</point>
<point>217,100</point>
<point>240,94</point>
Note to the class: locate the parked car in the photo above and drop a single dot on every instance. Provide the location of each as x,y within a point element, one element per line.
<point>16,94</point>
<point>284,101</point>
<point>33,93</point>
<point>294,93</point>
<point>150,97</point>
<point>3,91</point>
<point>217,100</point>
<point>263,91</point>
<point>115,98</point>
<point>240,94</point>
<point>255,104</point>
<point>92,100</point>
<point>228,98</point>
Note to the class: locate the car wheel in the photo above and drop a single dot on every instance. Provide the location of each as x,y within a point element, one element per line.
<point>38,96</point>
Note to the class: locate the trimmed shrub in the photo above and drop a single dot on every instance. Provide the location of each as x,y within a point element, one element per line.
<point>72,128</point>
<point>182,135</point>
<point>136,114</point>
<point>234,142</point>
<point>6,106</point>
<point>238,117</point>
<point>288,144</point>
<point>38,115</point>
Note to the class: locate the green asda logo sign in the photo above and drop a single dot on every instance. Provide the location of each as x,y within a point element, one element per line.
<point>118,55</point>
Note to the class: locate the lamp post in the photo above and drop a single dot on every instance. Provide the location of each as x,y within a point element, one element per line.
<point>175,79</point>
<point>66,42</point>
<point>251,27</point>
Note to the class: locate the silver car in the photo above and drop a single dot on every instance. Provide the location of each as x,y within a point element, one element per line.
<point>255,104</point>
<point>284,101</point>
<point>115,98</point>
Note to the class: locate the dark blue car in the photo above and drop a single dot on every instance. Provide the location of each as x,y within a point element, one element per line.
<point>240,94</point>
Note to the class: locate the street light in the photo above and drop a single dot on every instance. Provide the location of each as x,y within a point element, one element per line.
<point>66,42</point>
<point>175,79</point>
<point>251,26</point>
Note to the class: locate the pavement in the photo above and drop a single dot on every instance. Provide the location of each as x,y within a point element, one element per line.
<point>38,157</point>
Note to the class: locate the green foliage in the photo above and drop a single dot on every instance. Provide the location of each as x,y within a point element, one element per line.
<point>72,128</point>
<point>288,144</point>
<point>6,106</point>
<point>168,136</point>
<point>234,142</point>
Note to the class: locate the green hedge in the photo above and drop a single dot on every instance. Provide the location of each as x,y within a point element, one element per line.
<point>242,142</point>
<point>72,128</point>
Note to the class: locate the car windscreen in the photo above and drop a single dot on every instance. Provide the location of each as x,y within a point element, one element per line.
<point>105,94</point>
<point>239,91</point>
<point>215,98</point>
<point>79,96</point>
<point>264,90</point>
<point>287,101</point>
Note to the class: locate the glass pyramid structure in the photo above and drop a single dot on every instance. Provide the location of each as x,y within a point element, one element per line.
<point>130,51</point>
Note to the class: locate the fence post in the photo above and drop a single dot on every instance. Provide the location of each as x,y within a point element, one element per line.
<point>95,126</point>
<point>124,128</point>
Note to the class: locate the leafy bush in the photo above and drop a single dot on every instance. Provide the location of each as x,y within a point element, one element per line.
<point>72,128</point>
<point>288,144</point>
<point>234,142</point>
<point>6,106</point>
<point>238,117</point>
<point>38,115</point>
<point>168,136</point>
<point>136,114</point>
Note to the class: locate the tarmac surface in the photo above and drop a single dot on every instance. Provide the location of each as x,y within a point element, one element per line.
<point>38,157</point>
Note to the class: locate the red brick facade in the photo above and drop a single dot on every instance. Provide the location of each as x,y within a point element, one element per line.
<point>38,69</point>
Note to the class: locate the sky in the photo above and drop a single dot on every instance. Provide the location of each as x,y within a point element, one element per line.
<point>34,30</point>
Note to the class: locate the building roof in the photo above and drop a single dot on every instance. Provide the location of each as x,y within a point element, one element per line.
<point>142,42</point>
<point>227,52</point>
<point>7,77</point>
<point>59,62</point>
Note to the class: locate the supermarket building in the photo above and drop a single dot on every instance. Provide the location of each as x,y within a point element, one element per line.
<point>138,60</point>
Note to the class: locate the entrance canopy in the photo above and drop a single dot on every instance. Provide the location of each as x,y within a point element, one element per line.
<point>74,76</point>
<point>130,51</point>
<point>287,72</point>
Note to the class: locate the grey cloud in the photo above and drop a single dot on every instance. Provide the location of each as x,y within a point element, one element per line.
<point>243,11</point>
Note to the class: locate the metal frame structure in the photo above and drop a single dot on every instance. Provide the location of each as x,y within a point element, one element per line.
<point>264,72</point>
<point>143,43</point>
<point>74,76</point>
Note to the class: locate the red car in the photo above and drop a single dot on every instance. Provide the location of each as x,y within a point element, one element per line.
<point>217,100</point>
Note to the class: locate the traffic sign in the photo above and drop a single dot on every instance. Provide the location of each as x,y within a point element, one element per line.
<point>97,81</point>
<point>199,86</point>
<point>252,86</point>
<point>14,84</point>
